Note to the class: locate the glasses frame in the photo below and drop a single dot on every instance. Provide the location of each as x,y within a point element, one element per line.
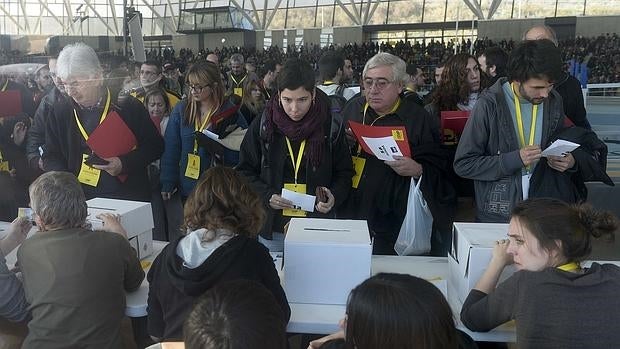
<point>379,83</point>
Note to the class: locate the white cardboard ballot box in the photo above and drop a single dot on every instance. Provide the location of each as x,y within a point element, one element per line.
<point>136,218</point>
<point>324,259</point>
<point>471,252</point>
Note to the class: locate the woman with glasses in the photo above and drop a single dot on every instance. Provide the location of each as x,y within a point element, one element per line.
<point>204,130</point>
<point>293,146</point>
<point>253,101</point>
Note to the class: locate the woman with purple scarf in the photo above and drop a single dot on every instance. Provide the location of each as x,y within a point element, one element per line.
<point>293,146</point>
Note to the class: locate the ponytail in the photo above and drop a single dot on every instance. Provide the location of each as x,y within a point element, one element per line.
<point>597,224</point>
<point>552,220</point>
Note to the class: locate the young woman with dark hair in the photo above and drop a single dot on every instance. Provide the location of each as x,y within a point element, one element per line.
<point>459,85</point>
<point>556,302</point>
<point>294,146</point>
<point>398,311</point>
<point>221,220</point>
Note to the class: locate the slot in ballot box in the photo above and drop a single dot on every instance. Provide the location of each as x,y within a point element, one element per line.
<point>471,252</point>
<point>136,218</point>
<point>324,259</point>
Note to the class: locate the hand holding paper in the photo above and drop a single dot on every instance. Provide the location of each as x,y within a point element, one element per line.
<point>559,148</point>
<point>384,148</point>
<point>385,141</point>
<point>302,201</point>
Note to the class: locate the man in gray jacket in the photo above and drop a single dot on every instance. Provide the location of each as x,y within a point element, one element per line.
<point>512,120</point>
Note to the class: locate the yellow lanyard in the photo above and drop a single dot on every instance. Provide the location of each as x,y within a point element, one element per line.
<point>570,266</point>
<point>520,120</point>
<point>103,115</point>
<point>235,80</point>
<point>6,83</point>
<point>296,163</point>
<point>328,82</point>
<point>409,89</point>
<point>393,110</point>
<point>200,128</point>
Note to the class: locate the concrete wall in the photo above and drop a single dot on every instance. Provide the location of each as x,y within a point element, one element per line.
<point>190,41</point>
<point>345,35</point>
<point>506,28</point>
<point>594,26</point>
<point>214,40</point>
<point>514,28</point>
<point>312,36</point>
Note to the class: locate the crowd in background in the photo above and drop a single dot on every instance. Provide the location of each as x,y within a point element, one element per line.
<point>601,54</point>
<point>215,140</point>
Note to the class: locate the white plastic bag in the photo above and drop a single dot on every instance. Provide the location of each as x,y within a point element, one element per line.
<point>414,237</point>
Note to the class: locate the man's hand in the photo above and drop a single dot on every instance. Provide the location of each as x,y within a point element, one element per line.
<point>325,207</point>
<point>530,154</point>
<point>279,203</point>
<point>113,167</point>
<point>165,195</point>
<point>405,166</point>
<point>561,163</point>
<point>19,133</point>
<point>17,233</point>
<point>316,344</point>
<point>112,224</point>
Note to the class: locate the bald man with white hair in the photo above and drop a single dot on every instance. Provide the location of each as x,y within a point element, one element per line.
<point>568,86</point>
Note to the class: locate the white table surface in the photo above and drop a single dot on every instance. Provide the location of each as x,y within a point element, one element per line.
<point>321,318</point>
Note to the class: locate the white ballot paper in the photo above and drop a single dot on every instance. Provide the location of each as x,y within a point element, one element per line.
<point>211,135</point>
<point>383,148</point>
<point>559,148</point>
<point>300,201</point>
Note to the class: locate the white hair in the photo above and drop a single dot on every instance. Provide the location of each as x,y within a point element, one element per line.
<point>399,68</point>
<point>78,59</point>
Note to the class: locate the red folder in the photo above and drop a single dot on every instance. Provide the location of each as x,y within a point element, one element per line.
<point>112,138</point>
<point>398,132</point>
<point>10,103</point>
<point>453,124</point>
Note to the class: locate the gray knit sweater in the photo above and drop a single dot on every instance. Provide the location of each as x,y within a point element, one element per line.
<point>553,308</point>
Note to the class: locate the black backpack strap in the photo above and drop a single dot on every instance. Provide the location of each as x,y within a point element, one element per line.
<point>340,90</point>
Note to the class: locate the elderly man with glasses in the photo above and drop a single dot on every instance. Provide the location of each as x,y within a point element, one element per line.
<point>380,188</point>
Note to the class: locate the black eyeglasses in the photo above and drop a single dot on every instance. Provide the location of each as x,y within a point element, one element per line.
<point>198,88</point>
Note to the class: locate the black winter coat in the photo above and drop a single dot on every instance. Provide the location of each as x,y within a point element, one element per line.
<point>590,166</point>
<point>263,164</point>
<point>64,146</point>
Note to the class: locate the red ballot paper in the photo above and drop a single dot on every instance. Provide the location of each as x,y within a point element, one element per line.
<point>398,132</point>
<point>10,103</point>
<point>112,138</point>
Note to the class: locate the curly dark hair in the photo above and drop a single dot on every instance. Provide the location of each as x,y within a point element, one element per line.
<point>223,199</point>
<point>453,88</point>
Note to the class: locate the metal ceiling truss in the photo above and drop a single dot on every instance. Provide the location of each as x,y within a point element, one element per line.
<point>359,12</point>
<point>164,21</point>
<point>12,18</point>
